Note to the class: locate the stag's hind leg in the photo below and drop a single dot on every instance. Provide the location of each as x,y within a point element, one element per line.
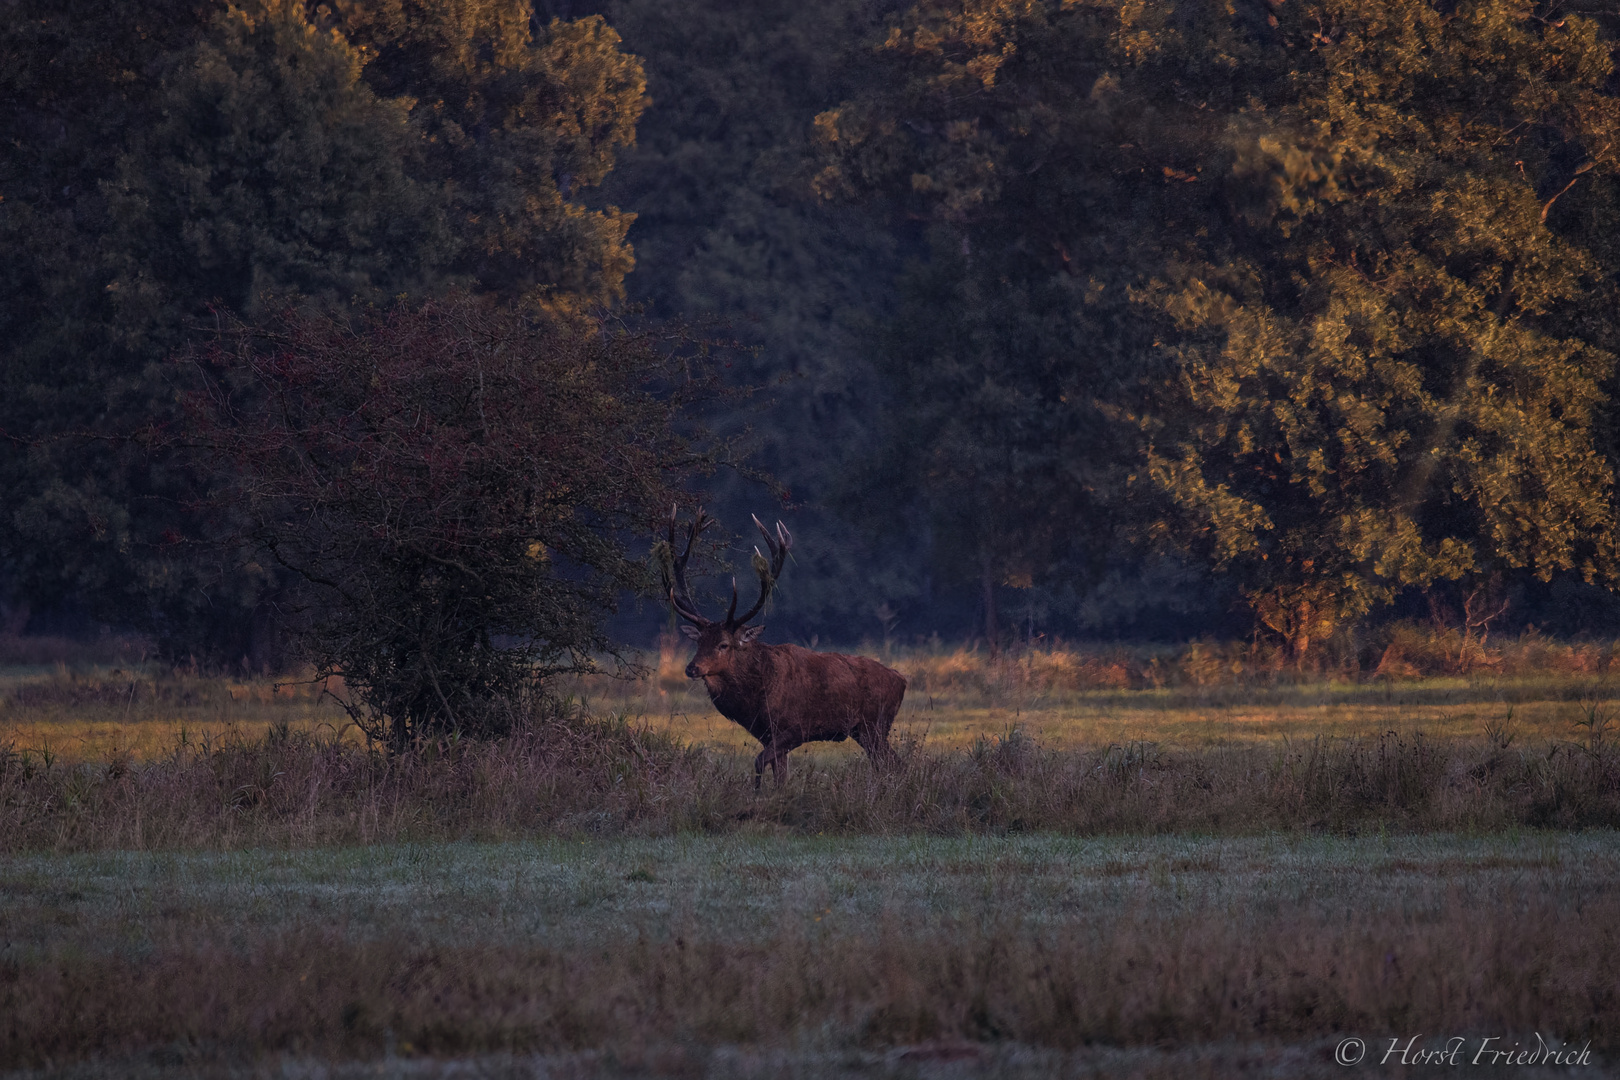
<point>873,736</point>
<point>874,739</point>
<point>873,733</point>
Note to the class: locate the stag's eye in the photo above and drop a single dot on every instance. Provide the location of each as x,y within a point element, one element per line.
<point>722,647</point>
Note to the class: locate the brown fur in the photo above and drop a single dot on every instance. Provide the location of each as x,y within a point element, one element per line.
<point>786,696</point>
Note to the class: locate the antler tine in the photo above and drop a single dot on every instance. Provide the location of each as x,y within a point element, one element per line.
<point>779,547</point>
<point>767,569</point>
<point>680,598</point>
<point>782,535</point>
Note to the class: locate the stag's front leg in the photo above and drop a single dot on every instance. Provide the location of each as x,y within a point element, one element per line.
<point>776,758</point>
<point>765,755</point>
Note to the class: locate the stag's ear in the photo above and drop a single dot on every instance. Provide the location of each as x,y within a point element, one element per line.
<point>748,633</point>
<point>691,631</point>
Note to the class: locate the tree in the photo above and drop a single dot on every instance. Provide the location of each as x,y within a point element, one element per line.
<point>1385,385</point>
<point>1324,285</point>
<point>449,488</point>
<point>1003,347</point>
<point>980,433</point>
<point>726,227</point>
<point>165,160</point>
<point>515,119</point>
<point>84,517</point>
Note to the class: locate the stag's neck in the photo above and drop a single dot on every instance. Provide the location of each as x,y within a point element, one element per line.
<point>742,696</point>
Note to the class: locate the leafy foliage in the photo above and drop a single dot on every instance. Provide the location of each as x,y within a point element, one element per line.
<point>449,487</point>
<point>1302,292</point>
<point>726,227</point>
<point>163,160</point>
<point>513,121</point>
<point>1087,310</point>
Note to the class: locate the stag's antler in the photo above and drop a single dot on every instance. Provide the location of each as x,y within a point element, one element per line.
<point>680,598</point>
<point>768,570</point>
<point>674,567</point>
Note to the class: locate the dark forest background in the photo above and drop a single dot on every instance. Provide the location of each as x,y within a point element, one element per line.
<point>1095,320</point>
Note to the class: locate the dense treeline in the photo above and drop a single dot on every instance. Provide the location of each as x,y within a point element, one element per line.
<point>1076,317</point>
<point>168,162</point>
<point>1317,295</point>
<point>1292,315</point>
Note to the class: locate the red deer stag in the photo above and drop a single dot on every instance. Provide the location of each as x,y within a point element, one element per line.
<point>782,695</point>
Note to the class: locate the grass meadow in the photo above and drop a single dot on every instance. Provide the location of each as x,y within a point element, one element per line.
<point>1107,863</point>
<point>1201,695</point>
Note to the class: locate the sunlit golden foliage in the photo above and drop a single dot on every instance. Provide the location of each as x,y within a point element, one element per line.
<point>1317,294</point>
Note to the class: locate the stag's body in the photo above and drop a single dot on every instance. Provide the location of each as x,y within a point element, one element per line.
<point>786,696</point>
<point>782,695</point>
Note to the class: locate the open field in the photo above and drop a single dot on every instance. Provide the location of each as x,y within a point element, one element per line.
<point>100,713</point>
<point>1442,708</point>
<point>587,775</point>
<point>100,759</point>
<point>751,955</point>
<point>210,876</point>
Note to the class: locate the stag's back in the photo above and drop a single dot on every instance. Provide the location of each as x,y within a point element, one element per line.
<point>815,695</point>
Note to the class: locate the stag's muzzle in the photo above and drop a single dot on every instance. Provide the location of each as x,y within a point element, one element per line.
<point>692,671</point>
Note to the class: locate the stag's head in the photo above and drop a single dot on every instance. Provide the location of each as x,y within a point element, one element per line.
<point>721,643</point>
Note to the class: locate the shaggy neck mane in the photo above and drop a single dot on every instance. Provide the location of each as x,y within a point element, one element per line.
<point>748,680</point>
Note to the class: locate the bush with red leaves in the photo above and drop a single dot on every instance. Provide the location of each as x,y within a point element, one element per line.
<point>448,488</point>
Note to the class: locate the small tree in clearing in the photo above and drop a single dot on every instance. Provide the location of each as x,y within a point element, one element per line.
<point>447,487</point>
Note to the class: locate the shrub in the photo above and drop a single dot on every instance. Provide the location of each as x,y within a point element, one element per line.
<point>447,488</point>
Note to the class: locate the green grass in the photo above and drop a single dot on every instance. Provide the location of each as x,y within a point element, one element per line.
<point>806,955</point>
<point>749,889</point>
